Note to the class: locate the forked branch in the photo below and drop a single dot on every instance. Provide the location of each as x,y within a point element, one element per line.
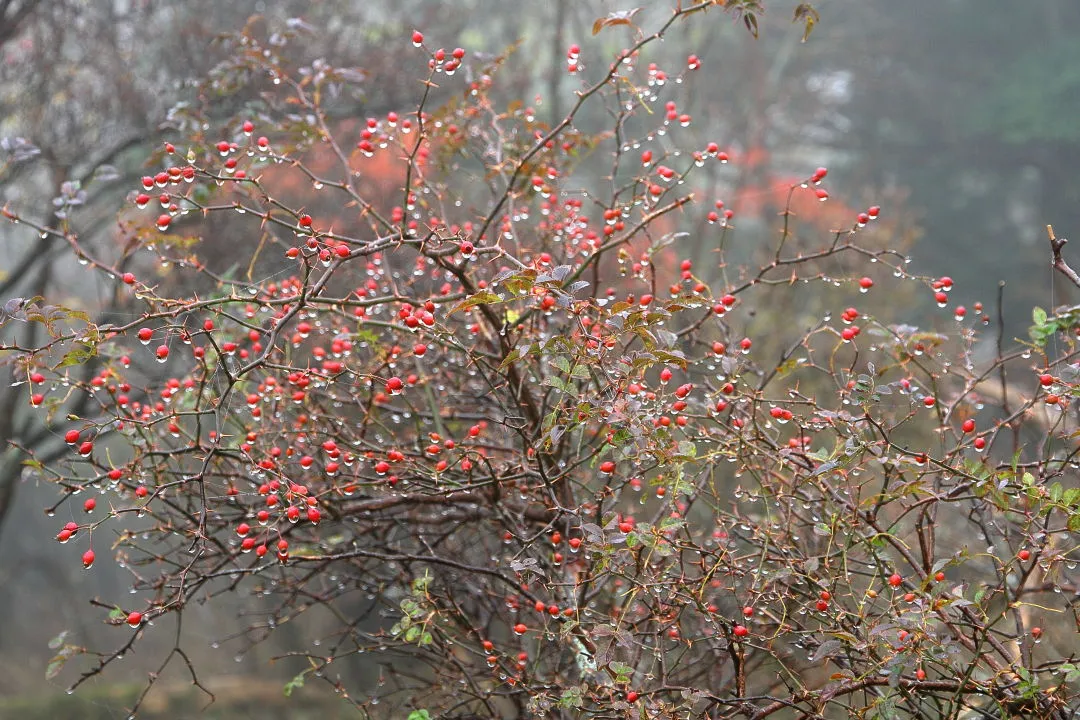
<point>1056,244</point>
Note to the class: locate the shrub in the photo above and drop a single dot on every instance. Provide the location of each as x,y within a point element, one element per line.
<point>490,421</point>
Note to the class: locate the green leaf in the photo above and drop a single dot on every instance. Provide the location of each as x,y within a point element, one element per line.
<point>557,382</point>
<point>513,356</point>
<point>622,671</point>
<point>1038,316</point>
<point>1074,523</point>
<point>522,282</point>
<point>751,22</point>
<point>77,356</point>
<point>480,298</point>
<point>296,682</point>
<point>419,715</point>
<point>687,449</point>
<point>571,698</point>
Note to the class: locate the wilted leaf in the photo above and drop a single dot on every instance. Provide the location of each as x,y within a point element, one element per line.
<point>106,173</point>
<point>58,640</point>
<point>619,17</point>
<point>56,664</point>
<point>826,650</point>
<point>808,16</point>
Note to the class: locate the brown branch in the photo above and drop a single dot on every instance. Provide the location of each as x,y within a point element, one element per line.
<point>1058,263</point>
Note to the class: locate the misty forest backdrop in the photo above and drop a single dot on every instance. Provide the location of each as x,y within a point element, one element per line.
<point>959,117</point>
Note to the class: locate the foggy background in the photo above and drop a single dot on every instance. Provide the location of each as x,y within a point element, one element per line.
<point>961,118</point>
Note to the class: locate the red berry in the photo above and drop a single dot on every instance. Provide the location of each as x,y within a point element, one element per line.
<point>88,558</point>
<point>895,580</point>
<point>134,619</point>
<point>741,631</point>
